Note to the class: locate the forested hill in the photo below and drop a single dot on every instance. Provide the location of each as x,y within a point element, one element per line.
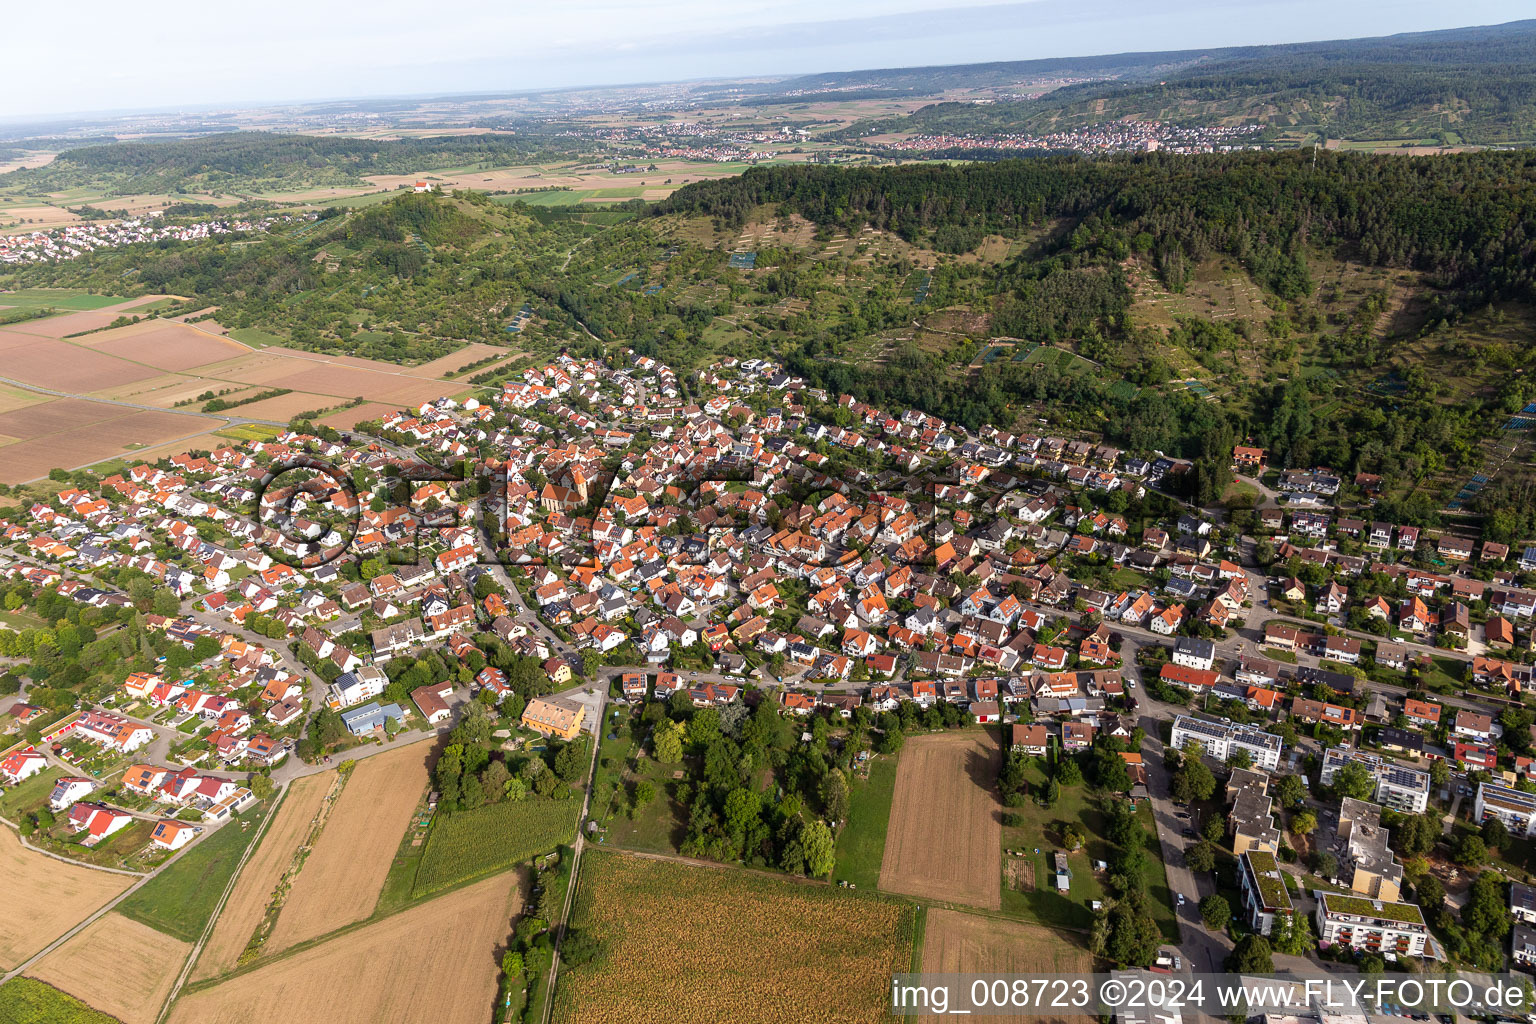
<point>1460,45</point>
<point>1475,85</point>
<point>1468,219</point>
<point>258,160</point>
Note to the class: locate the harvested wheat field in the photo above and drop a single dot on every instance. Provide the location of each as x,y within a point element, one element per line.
<point>342,876</point>
<point>283,408</point>
<point>102,432</point>
<point>164,345</point>
<point>117,966</point>
<point>45,897</point>
<point>64,366</point>
<point>946,834</point>
<point>959,943</point>
<point>247,904</point>
<point>87,320</point>
<point>345,418</point>
<point>455,361</point>
<point>434,963</point>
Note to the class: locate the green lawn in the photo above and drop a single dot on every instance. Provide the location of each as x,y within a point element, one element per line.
<point>25,1001</point>
<point>660,825</point>
<point>27,797</point>
<point>255,337</point>
<point>180,900</point>
<point>61,298</point>
<point>1041,830</point>
<point>861,845</point>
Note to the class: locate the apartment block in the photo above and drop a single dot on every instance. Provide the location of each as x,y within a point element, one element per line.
<point>1400,788</point>
<point>1264,895</point>
<point>1515,809</point>
<point>1221,740</point>
<point>1376,926</point>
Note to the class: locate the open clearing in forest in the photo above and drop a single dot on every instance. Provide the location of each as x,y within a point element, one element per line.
<point>960,943</point>
<point>247,904</point>
<point>805,952</point>
<point>117,966</point>
<point>945,837</point>
<point>343,874</point>
<point>436,962</point>
<point>45,897</point>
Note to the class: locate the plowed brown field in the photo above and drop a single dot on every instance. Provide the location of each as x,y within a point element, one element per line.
<point>945,838</point>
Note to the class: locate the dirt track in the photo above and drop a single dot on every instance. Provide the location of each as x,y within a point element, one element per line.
<point>945,838</point>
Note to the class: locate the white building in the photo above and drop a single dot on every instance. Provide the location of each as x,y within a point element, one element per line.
<point>1221,740</point>
<point>1515,809</point>
<point>355,687</point>
<point>1396,928</point>
<point>1398,787</point>
<point>1265,898</point>
<point>1194,652</point>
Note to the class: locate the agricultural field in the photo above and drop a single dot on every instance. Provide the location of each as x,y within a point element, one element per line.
<point>45,897</point>
<point>25,1001</point>
<point>96,967</point>
<point>180,900</point>
<point>945,834</point>
<point>467,844</point>
<point>432,963</point>
<point>55,298</point>
<point>116,381</point>
<point>806,951</point>
<point>247,903</point>
<point>960,943</point>
<point>343,874</point>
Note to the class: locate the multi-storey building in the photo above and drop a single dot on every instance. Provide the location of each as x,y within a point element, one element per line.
<point>1264,895</point>
<point>1221,740</point>
<point>1401,788</point>
<point>1376,926</point>
<point>1515,809</point>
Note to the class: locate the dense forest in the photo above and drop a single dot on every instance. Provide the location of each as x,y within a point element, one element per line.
<point>249,160</point>
<point>1467,85</point>
<point>1467,220</point>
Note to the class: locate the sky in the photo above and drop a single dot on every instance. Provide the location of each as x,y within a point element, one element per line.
<point>178,54</point>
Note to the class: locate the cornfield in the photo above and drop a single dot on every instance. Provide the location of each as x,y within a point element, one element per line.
<point>680,943</point>
<point>469,844</point>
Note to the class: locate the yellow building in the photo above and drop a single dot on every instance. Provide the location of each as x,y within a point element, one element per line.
<point>554,716</point>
